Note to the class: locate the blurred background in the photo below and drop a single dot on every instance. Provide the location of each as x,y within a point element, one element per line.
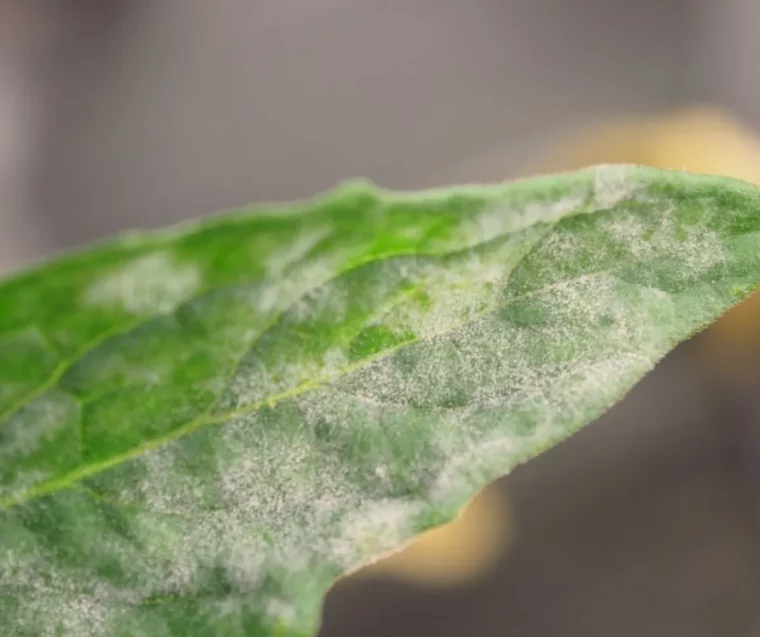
<point>118,114</point>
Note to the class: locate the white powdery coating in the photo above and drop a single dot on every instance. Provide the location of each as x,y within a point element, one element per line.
<point>497,220</point>
<point>253,486</point>
<point>23,480</point>
<point>460,475</point>
<point>152,284</point>
<point>328,305</point>
<point>286,256</point>
<point>287,376</point>
<point>297,272</point>
<point>602,377</point>
<point>264,489</point>
<point>56,602</point>
<point>694,247</point>
<point>320,300</point>
<point>612,185</point>
<point>28,431</point>
<point>373,529</point>
<point>159,467</point>
<point>280,609</point>
<point>453,296</point>
<point>278,293</point>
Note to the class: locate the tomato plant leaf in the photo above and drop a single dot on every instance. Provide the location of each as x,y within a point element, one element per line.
<point>200,428</point>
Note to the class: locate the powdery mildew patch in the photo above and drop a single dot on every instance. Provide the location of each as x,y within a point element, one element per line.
<point>27,432</point>
<point>374,529</point>
<point>58,602</point>
<point>612,185</point>
<point>473,464</point>
<point>151,284</point>
<point>282,258</point>
<point>693,246</point>
<point>498,220</point>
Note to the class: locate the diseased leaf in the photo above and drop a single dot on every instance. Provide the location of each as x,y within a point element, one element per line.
<point>201,428</point>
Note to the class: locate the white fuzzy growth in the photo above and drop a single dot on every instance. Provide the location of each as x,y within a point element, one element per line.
<point>24,479</point>
<point>374,529</point>
<point>612,185</point>
<point>280,610</point>
<point>286,376</point>
<point>152,284</point>
<point>463,472</point>
<point>56,602</point>
<point>453,296</point>
<point>498,220</point>
<point>282,258</point>
<point>278,293</point>
<point>28,431</point>
<point>693,248</point>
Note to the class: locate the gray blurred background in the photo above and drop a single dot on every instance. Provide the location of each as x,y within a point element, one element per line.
<point>118,114</point>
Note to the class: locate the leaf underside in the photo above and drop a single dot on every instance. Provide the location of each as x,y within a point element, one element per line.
<point>201,428</point>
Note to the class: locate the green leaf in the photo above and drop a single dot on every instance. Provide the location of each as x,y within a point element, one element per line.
<point>201,428</point>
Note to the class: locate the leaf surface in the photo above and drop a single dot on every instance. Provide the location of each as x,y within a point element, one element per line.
<point>201,428</point>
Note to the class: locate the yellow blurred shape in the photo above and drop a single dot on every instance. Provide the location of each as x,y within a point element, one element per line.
<point>700,139</point>
<point>453,553</point>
